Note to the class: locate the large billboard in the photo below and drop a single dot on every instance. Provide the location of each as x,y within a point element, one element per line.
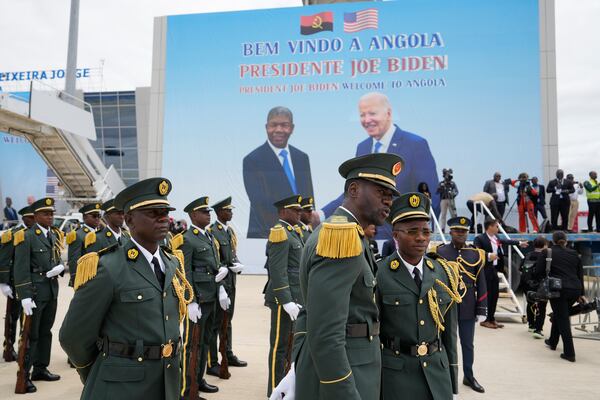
<point>444,85</point>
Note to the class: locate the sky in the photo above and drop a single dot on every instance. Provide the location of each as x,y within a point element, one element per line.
<point>118,34</point>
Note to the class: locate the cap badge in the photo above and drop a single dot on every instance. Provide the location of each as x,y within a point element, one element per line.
<point>48,202</point>
<point>414,201</point>
<point>97,206</point>
<point>163,188</point>
<point>310,200</point>
<point>463,221</point>
<point>299,199</point>
<point>397,168</point>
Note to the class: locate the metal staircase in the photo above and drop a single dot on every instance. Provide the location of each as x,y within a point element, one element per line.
<point>59,128</point>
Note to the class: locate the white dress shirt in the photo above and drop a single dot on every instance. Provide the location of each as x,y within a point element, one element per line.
<point>411,268</point>
<point>149,256</point>
<point>117,235</point>
<point>44,230</point>
<point>500,192</point>
<point>385,140</point>
<point>494,241</point>
<point>202,231</point>
<point>225,227</point>
<point>277,150</point>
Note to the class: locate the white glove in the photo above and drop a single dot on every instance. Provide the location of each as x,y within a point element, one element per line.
<point>55,271</point>
<point>224,301</point>
<point>28,306</point>
<point>6,290</point>
<point>194,312</point>
<point>481,318</point>
<point>454,397</point>
<point>236,267</point>
<point>223,271</point>
<point>292,309</point>
<point>287,386</point>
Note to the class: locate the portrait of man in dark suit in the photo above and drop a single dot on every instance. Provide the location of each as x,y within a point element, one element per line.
<point>273,171</point>
<point>384,136</point>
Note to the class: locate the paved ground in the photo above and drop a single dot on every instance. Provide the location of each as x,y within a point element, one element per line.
<point>509,363</point>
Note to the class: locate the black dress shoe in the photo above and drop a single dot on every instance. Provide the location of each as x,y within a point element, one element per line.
<point>44,375</point>
<point>30,387</point>
<point>207,387</point>
<point>551,347</point>
<point>236,362</point>
<point>568,358</point>
<point>11,356</point>
<point>473,384</point>
<point>214,370</point>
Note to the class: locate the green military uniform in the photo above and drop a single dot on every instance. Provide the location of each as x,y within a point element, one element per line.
<point>418,324</point>
<point>7,276</point>
<point>227,247</point>
<point>284,249</point>
<point>122,327</point>
<point>79,241</point>
<point>201,266</point>
<point>337,352</point>
<point>106,236</point>
<point>307,204</point>
<point>37,251</point>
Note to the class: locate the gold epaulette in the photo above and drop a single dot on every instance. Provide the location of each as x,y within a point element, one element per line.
<point>234,240</point>
<point>87,267</point>
<point>18,237</point>
<point>71,236</point>
<point>176,241</point>
<point>339,239</point>
<point>90,239</point>
<point>277,234</point>
<point>6,236</point>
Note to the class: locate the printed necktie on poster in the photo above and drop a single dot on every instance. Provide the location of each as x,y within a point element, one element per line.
<point>288,170</point>
<point>377,147</point>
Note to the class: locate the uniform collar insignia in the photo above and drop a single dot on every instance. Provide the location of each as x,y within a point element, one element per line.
<point>133,254</point>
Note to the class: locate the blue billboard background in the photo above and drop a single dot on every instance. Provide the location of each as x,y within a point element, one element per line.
<point>475,97</point>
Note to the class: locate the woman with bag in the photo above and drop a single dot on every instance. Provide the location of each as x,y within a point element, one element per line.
<point>564,264</point>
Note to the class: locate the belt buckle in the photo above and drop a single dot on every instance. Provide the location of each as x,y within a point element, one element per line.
<point>166,349</point>
<point>422,350</point>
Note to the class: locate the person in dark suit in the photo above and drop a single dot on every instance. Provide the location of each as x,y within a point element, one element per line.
<point>389,246</point>
<point>560,201</point>
<point>540,201</point>
<point>10,214</point>
<point>499,190</point>
<point>386,137</point>
<point>566,265</point>
<point>492,245</point>
<point>273,171</point>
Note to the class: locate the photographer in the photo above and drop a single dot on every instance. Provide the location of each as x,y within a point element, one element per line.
<point>526,199</point>
<point>536,310</point>
<point>565,265</point>
<point>448,191</point>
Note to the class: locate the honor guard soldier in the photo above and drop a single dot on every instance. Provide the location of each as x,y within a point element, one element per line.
<point>113,231</point>
<point>201,267</point>
<point>282,293</point>
<point>336,344</point>
<point>470,261</point>
<point>79,240</point>
<point>416,295</point>
<point>227,247</point>
<point>36,268</point>
<point>7,282</point>
<point>308,206</point>
<point>122,327</point>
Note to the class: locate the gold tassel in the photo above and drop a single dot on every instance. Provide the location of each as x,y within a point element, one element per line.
<point>6,236</point>
<point>277,234</point>
<point>19,237</point>
<point>339,240</point>
<point>176,241</point>
<point>234,240</point>
<point>90,239</point>
<point>299,230</point>
<point>182,286</point>
<point>87,267</point>
<point>71,236</point>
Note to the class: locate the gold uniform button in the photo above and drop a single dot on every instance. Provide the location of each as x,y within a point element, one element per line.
<point>397,303</point>
<point>425,364</point>
<point>420,301</point>
<point>140,297</point>
<point>140,359</point>
<point>164,294</point>
<point>370,338</point>
<point>421,322</point>
<point>168,365</point>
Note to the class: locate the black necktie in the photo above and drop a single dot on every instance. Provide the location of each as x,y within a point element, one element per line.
<point>158,272</point>
<point>417,274</point>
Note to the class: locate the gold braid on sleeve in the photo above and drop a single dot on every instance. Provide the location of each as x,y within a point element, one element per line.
<point>182,286</point>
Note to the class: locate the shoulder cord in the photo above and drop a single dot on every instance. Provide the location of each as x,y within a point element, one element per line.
<point>182,286</point>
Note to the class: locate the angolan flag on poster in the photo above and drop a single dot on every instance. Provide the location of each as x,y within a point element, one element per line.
<point>311,24</point>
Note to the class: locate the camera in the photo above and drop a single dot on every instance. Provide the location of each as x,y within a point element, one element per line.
<point>549,288</point>
<point>447,173</point>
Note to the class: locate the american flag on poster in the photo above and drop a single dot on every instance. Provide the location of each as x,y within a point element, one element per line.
<point>361,20</point>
